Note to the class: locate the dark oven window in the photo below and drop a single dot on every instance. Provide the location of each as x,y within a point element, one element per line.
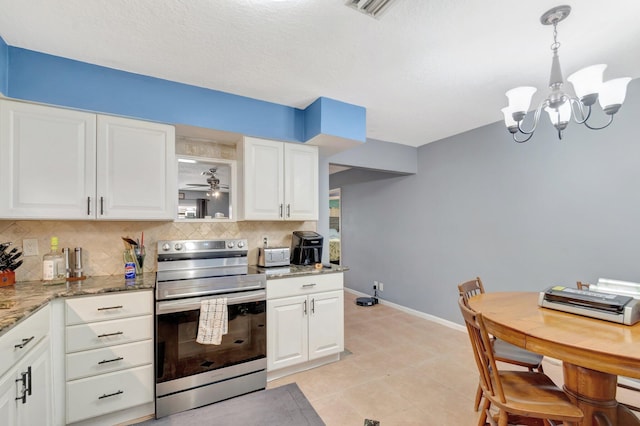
<point>179,355</point>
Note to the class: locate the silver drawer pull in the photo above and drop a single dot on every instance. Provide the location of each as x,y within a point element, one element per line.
<point>308,285</point>
<point>110,307</point>
<point>111,334</point>
<point>24,343</point>
<point>111,394</point>
<point>111,360</point>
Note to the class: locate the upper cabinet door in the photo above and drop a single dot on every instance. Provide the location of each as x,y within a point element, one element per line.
<point>136,166</point>
<point>280,180</point>
<point>47,162</point>
<point>301,182</point>
<point>263,179</point>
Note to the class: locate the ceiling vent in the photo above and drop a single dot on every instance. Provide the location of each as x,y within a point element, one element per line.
<point>372,8</point>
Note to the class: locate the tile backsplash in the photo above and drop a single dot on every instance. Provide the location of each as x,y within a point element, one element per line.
<point>102,243</point>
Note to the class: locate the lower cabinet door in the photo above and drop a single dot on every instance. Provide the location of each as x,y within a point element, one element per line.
<point>326,324</point>
<point>287,331</point>
<point>8,399</point>
<point>107,393</point>
<point>25,390</point>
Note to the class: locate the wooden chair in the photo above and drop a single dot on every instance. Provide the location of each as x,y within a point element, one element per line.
<point>503,351</point>
<point>529,395</point>
<point>629,383</point>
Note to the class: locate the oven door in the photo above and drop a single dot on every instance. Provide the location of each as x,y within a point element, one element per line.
<point>182,363</point>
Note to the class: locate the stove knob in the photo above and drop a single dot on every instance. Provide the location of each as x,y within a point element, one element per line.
<point>166,247</point>
<point>240,244</point>
<point>178,246</point>
<point>230,244</point>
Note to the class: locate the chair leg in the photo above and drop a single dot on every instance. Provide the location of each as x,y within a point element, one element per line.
<point>476,403</point>
<point>482,420</point>
<point>503,420</point>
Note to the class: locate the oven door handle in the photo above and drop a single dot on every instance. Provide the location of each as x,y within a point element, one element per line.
<point>170,306</point>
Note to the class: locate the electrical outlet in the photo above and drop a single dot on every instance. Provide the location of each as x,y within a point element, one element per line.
<point>30,247</point>
<point>265,241</point>
<point>381,286</point>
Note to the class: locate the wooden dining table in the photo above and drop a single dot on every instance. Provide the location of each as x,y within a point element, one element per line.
<point>593,352</point>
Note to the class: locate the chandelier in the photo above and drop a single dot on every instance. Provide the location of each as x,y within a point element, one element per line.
<point>562,106</point>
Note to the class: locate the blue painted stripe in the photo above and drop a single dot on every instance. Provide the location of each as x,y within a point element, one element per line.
<point>54,80</point>
<point>4,67</point>
<point>60,81</point>
<point>343,119</point>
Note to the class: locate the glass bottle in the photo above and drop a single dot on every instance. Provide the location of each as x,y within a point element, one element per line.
<point>53,268</point>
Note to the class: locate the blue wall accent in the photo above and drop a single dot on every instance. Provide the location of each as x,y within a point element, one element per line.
<point>65,82</point>
<point>313,119</point>
<point>54,80</point>
<point>4,67</point>
<point>336,118</point>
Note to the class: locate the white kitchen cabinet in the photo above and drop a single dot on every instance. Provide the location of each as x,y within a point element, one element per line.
<point>26,386</point>
<point>57,163</point>
<point>279,180</point>
<point>36,408</point>
<point>109,355</point>
<point>25,392</point>
<point>306,322</point>
<point>136,169</point>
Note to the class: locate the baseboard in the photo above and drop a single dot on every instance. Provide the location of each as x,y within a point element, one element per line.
<point>286,371</point>
<point>413,312</point>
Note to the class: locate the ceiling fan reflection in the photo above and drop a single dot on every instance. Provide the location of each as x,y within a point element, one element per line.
<point>213,185</point>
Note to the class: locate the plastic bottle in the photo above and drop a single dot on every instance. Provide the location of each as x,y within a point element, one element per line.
<point>53,268</point>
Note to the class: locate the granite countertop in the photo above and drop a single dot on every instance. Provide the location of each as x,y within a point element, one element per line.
<point>19,300</point>
<point>298,270</point>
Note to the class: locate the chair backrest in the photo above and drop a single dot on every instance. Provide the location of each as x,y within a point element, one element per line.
<point>470,288</point>
<point>482,351</point>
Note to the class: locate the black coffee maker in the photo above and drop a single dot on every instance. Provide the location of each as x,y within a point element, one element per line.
<point>306,248</point>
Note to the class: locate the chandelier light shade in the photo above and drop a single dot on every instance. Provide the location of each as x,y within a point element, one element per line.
<point>561,106</point>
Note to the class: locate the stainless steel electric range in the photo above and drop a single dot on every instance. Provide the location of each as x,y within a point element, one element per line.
<point>190,374</point>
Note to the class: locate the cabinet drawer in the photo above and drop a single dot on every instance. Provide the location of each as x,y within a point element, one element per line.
<point>16,342</point>
<point>110,392</point>
<point>307,284</point>
<point>108,333</point>
<point>109,359</point>
<point>108,307</point>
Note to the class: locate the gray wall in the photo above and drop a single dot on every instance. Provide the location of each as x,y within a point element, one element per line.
<point>520,216</point>
<point>379,155</point>
<point>367,159</point>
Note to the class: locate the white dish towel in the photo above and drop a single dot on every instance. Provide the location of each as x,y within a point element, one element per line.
<point>213,321</point>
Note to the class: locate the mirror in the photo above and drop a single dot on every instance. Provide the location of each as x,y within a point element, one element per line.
<point>206,189</point>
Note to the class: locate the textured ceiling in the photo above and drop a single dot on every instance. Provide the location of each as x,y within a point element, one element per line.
<point>425,70</point>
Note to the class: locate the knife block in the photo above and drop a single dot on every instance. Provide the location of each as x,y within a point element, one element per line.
<point>7,278</point>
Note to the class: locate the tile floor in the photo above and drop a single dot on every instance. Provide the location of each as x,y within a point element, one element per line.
<point>403,370</point>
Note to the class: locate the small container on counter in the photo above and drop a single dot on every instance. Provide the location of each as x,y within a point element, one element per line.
<point>129,271</point>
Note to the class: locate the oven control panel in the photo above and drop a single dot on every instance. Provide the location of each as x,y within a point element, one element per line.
<point>201,246</point>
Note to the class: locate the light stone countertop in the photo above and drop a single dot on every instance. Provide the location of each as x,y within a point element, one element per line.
<point>19,300</point>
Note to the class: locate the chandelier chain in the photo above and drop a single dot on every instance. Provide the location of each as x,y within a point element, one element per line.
<point>556,44</point>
